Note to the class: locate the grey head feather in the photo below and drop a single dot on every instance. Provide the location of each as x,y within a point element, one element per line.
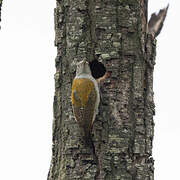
<point>83,68</point>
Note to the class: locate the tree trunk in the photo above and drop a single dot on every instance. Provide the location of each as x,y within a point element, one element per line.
<point>116,32</point>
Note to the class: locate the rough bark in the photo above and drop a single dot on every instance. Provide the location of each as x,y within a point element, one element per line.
<point>116,31</point>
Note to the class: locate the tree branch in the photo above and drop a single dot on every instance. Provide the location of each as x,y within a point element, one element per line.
<point>156,22</point>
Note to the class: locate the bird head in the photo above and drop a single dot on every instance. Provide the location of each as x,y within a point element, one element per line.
<point>83,68</point>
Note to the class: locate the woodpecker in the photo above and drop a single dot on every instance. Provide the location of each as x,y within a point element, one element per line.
<point>85,98</point>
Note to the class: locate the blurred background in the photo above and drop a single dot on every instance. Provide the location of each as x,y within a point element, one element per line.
<point>27,70</point>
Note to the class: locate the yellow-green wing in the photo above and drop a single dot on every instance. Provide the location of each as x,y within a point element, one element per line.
<point>84,113</point>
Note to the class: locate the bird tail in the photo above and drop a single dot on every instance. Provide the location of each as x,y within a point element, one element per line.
<point>87,136</point>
